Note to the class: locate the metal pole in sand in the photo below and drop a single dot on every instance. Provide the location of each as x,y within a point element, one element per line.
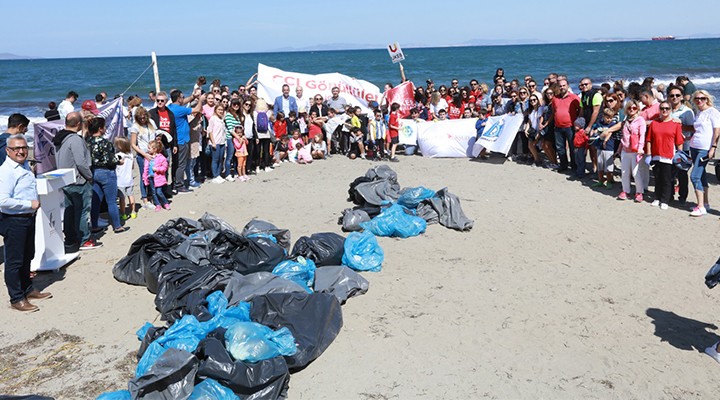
<point>155,72</point>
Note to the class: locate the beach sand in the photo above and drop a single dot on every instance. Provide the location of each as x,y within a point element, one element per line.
<point>558,292</point>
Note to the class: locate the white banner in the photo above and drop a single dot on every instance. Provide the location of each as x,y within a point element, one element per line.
<point>396,53</point>
<point>356,92</point>
<point>498,134</point>
<point>408,132</point>
<point>114,120</point>
<point>451,138</point>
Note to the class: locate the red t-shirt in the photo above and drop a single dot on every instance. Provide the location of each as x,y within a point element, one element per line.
<point>455,112</point>
<point>393,122</point>
<point>280,128</point>
<point>164,120</point>
<point>580,140</point>
<point>314,130</point>
<point>566,110</point>
<point>664,137</point>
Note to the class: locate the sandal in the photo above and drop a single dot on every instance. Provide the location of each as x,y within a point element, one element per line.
<point>121,229</point>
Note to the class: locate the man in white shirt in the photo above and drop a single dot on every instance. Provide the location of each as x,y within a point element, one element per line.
<point>18,205</point>
<point>66,106</point>
<point>303,103</point>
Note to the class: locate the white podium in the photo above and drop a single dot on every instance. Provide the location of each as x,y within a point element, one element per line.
<point>49,243</point>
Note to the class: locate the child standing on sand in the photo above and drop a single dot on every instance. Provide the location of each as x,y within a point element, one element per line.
<point>240,142</point>
<point>603,139</point>
<point>154,175</point>
<point>580,143</point>
<point>125,181</point>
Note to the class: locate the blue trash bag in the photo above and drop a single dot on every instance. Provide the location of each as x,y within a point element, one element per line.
<point>253,342</point>
<point>394,222</point>
<point>117,395</point>
<point>210,389</point>
<point>362,252</point>
<point>301,271</point>
<point>187,332</point>
<point>411,197</point>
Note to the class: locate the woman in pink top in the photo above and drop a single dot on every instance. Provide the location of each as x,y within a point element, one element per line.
<point>632,143</point>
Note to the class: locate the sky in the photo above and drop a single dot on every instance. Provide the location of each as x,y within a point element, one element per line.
<point>129,27</point>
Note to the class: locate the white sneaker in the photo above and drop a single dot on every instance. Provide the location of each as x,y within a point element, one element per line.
<point>663,206</point>
<point>698,212</point>
<point>230,178</point>
<point>276,165</point>
<point>712,352</point>
<point>218,179</point>
<point>655,203</point>
<point>257,170</point>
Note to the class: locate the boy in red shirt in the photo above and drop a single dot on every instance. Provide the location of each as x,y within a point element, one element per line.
<point>393,130</point>
<point>280,125</point>
<point>580,142</point>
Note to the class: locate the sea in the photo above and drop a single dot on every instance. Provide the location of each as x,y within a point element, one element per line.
<point>26,86</point>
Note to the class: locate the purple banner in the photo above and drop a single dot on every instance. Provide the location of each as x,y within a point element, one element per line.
<point>44,150</point>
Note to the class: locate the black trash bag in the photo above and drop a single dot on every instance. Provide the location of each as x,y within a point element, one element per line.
<point>150,336</point>
<point>382,171</point>
<point>324,248</point>
<point>266,379</point>
<point>131,268</point>
<point>428,213</point>
<point>340,281</point>
<point>314,319</point>
<point>196,247</point>
<point>181,280</point>
<point>257,226</point>
<point>351,219</point>
<point>377,193</point>
<point>246,254</point>
<point>211,222</point>
<point>245,287</point>
<point>171,377</point>
<point>353,194</point>
<point>153,267</point>
<point>450,213</point>
<point>712,278</point>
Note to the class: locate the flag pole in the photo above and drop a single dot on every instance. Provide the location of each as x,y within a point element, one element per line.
<point>155,72</point>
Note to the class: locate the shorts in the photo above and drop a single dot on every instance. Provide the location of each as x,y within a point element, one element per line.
<point>125,191</point>
<point>394,140</point>
<point>354,149</point>
<point>549,134</point>
<point>606,161</point>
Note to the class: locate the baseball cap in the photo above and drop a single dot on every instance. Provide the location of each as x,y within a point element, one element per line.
<point>89,105</point>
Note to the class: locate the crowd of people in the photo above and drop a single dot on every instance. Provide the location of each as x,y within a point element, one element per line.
<point>220,135</point>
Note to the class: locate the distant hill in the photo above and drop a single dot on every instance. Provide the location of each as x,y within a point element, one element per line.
<point>10,56</point>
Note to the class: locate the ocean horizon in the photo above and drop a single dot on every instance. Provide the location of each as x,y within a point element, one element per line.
<point>29,84</point>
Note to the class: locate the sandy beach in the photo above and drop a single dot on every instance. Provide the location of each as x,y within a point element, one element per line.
<point>558,292</point>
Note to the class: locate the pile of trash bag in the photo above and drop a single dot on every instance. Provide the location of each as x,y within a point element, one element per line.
<point>242,311</point>
<point>385,209</point>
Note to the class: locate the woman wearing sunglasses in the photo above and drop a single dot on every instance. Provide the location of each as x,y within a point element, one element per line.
<point>632,144</point>
<point>664,137</point>
<point>702,147</point>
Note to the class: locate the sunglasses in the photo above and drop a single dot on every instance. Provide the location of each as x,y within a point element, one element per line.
<point>610,100</point>
<point>217,98</point>
<point>523,92</point>
<point>632,108</point>
<point>664,108</point>
<point>584,84</point>
<point>675,95</point>
<point>701,99</point>
<point>247,104</point>
<point>160,100</point>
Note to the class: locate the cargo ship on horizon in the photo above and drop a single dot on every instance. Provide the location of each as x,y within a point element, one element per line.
<point>664,38</point>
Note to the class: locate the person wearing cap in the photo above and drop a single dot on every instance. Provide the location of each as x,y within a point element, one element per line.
<point>91,106</point>
<point>66,106</point>
<point>18,206</point>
